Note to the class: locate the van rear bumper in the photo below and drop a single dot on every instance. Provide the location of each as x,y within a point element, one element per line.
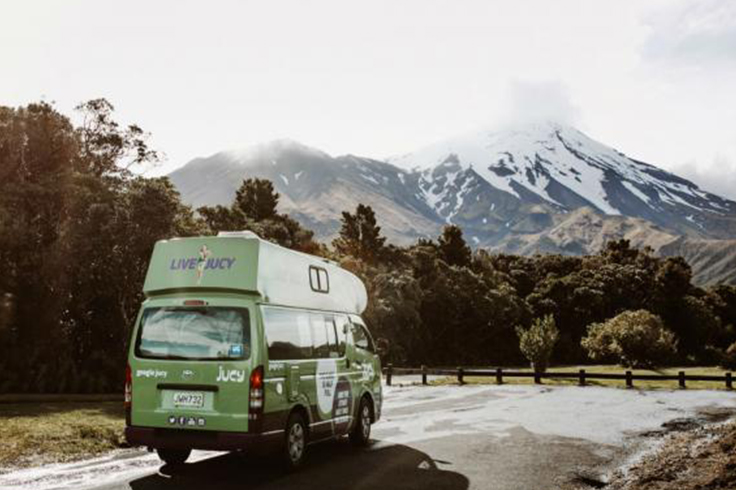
<point>200,439</point>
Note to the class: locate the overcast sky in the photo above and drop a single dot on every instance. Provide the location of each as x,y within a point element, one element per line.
<point>654,78</point>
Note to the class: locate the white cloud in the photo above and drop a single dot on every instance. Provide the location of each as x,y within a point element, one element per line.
<point>539,101</point>
<point>718,177</point>
<point>693,32</point>
<point>384,77</point>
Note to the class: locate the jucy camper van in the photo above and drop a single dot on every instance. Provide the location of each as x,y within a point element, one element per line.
<point>245,345</point>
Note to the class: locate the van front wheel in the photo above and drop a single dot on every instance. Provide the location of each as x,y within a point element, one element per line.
<point>174,456</point>
<point>361,433</point>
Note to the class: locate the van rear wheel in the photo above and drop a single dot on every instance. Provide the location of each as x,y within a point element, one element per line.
<point>295,443</point>
<point>174,456</point>
<point>361,433</point>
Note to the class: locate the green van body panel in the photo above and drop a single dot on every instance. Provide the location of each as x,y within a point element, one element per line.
<point>232,264</point>
<point>246,272</point>
<point>223,409</point>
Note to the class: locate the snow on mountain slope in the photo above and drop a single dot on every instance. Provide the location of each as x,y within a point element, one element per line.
<point>564,168</point>
<point>538,188</point>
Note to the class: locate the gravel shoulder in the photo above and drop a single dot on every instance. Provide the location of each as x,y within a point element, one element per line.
<point>694,458</point>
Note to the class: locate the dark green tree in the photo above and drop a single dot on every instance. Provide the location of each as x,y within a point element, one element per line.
<point>633,339</point>
<point>254,209</point>
<point>106,148</point>
<point>76,232</point>
<point>538,341</point>
<point>360,235</point>
<point>256,199</point>
<point>220,218</point>
<point>453,248</point>
<point>620,251</point>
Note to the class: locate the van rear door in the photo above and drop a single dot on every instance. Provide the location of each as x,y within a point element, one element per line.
<point>191,367</point>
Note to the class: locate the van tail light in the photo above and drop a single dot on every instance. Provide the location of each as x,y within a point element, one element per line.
<point>128,402</point>
<point>256,399</point>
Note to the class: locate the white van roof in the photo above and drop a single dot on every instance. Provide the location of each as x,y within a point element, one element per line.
<point>243,261</point>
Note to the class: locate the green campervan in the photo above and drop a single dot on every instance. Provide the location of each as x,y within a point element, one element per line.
<point>243,344</point>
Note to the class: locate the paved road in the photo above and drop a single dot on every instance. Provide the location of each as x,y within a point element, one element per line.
<point>455,438</point>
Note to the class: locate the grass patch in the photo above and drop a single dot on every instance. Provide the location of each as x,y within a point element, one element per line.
<point>605,369</point>
<point>38,433</point>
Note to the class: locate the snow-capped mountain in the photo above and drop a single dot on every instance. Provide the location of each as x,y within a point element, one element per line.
<point>562,169</point>
<point>538,188</point>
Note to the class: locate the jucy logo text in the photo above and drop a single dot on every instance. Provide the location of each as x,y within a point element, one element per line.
<point>191,263</point>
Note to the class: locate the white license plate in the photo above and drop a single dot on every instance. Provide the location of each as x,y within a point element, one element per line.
<point>188,399</point>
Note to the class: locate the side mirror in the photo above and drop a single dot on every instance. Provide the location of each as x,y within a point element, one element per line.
<point>382,346</point>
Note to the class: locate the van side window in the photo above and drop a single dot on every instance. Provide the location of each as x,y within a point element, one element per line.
<point>324,336</point>
<point>341,328</point>
<point>361,338</point>
<point>288,334</point>
<point>332,336</point>
<point>319,336</point>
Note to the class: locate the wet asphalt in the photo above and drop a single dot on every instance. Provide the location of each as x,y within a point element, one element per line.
<point>455,438</point>
<point>520,461</point>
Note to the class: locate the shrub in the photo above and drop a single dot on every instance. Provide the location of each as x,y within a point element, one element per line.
<point>632,338</point>
<point>538,341</point>
<point>728,360</point>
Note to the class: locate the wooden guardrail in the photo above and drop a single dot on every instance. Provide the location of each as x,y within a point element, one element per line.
<point>582,375</point>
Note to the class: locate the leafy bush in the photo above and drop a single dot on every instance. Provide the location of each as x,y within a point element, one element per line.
<point>632,338</point>
<point>538,341</point>
<point>728,360</point>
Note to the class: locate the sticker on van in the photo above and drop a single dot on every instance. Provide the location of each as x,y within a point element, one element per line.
<point>368,372</point>
<point>326,384</point>
<point>202,262</point>
<point>343,403</point>
<point>151,373</point>
<point>233,375</point>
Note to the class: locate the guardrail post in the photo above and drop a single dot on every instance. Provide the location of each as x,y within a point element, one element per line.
<point>389,373</point>
<point>629,380</point>
<point>499,376</point>
<point>424,374</point>
<point>581,380</point>
<point>729,381</point>
<point>460,375</point>
<point>537,378</point>
<point>681,379</point>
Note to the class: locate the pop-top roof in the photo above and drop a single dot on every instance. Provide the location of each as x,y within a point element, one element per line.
<point>241,261</point>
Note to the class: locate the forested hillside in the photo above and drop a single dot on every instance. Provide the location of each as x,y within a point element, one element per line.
<point>76,232</point>
<point>77,226</point>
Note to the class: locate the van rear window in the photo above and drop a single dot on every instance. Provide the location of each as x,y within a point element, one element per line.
<point>201,333</point>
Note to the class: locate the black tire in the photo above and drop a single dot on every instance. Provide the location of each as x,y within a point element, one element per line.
<point>174,457</point>
<point>361,433</point>
<point>295,442</point>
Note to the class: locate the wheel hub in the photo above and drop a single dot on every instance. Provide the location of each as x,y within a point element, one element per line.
<point>296,442</point>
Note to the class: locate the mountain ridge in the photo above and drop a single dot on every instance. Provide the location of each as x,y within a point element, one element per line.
<point>560,167</point>
<point>542,188</point>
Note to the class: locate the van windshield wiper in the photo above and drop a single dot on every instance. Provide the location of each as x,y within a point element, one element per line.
<point>199,311</point>
<point>174,357</point>
<point>153,355</point>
